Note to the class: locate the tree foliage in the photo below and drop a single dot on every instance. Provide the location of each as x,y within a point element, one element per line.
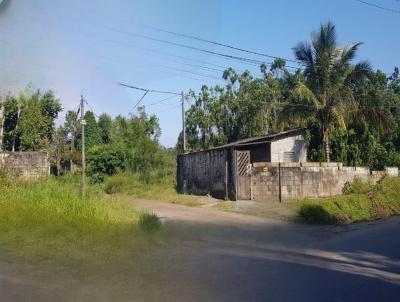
<point>351,112</point>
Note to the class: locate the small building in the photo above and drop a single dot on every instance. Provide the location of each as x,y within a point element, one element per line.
<point>224,172</point>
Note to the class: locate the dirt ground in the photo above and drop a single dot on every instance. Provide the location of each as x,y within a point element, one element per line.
<point>209,255</point>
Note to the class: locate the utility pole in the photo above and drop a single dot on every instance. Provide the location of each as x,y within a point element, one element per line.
<point>2,118</point>
<point>83,122</point>
<point>183,124</point>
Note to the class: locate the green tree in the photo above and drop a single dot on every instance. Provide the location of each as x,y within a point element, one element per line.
<point>105,124</point>
<point>326,92</point>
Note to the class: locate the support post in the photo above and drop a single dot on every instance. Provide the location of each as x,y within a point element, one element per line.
<point>2,119</point>
<point>183,125</point>
<point>280,184</point>
<point>83,122</point>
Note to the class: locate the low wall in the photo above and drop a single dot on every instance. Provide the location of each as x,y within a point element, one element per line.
<point>25,165</point>
<point>274,181</point>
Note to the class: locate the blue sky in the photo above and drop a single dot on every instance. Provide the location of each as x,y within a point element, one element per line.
<point>81,47</point>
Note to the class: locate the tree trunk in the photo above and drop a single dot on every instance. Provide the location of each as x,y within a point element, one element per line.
<point>16,127</point>
<point>325,142</point>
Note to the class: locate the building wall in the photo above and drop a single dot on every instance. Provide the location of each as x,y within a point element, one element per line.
<point>289,149</point>
<point>204,173</point>
<point>25,165</point>
<point>301,180</point>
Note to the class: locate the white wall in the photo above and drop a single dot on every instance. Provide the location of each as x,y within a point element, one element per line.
<point>290,149</point>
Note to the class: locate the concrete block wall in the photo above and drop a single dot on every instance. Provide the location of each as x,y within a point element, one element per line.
<point>301,180</point>
<point>25,165</point>
<point>293,147</point>
<point>203,173</point>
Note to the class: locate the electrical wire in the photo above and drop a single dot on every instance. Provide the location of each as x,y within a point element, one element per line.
<point>148,90</point>
<point>379,6</point>
<point>138,102</point>
<point>218,43</point>
<point>161,101</point>
<point>236,58</point>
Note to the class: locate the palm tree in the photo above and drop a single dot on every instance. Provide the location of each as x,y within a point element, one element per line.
<point>324,90</point>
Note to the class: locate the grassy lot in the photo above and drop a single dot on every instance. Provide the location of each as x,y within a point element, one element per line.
<point>48,220</point>
<point>361,202</point>
<point>158,188</point>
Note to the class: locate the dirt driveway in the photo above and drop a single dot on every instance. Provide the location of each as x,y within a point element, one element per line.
<point>209,255</point>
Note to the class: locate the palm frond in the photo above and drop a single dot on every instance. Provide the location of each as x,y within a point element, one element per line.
<point>360,72</point>
<point>303,52</point>
<point>348,53</point>
<point>304,95</point>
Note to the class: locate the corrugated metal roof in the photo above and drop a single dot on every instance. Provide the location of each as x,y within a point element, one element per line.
<point>258,139</point>
<point>263,138</point>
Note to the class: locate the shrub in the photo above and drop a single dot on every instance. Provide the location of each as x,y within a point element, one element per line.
<point>105,160</point>
<point>149,222</point>
<point>363,202</point>
<point>315,214</point>
<point>358,186</point>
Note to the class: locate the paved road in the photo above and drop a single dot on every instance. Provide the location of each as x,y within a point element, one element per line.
<point>216,256</point>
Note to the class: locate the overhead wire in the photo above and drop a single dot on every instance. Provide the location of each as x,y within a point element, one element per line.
<point>228,56</point>
<point>218,43</point>
<point>379,6</point>
<point>174,55</point>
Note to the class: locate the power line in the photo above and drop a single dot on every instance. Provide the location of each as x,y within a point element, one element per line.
<point>161,101</point>
<point>379,6</point>
<point>236,58</point>
<point>91,109</point>
<point>177,56</point>
<point>148,90</point>
<point>219,44</point>
<point>138,102</point>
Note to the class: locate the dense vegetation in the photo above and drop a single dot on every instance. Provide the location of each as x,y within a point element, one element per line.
<point>361,202</point>
<point>351,111</point>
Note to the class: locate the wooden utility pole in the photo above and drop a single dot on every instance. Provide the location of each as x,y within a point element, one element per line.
<point>183,124</point>
<point>83,122</point>
<point>2,119</point>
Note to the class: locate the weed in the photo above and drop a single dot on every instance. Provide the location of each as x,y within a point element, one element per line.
<point>149,222</point>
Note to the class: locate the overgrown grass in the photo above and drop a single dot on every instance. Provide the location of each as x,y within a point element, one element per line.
<point>47,219</point>
<point>149,222</point>
<point>158,187</point>
<point>361,202</point>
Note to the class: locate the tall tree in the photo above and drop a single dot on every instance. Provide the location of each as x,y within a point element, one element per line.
<point>326,93</point>
<point>105,124</point>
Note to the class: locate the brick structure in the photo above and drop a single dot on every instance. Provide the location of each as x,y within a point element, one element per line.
<point>25,165</point>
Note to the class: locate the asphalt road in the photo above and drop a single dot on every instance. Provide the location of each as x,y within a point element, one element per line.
<point>209,255</point>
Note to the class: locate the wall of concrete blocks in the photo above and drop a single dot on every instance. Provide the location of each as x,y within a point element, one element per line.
<point>274,181</point>
<point>25,165</point>
<point>203,173</point>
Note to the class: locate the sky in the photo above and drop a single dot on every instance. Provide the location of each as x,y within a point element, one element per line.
<point>88,47</point>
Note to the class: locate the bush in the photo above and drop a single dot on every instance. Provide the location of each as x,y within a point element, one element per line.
<point>105,160</point>
<point>363,202</point>
<point>357,187</point>
<point>149,222</point>
<point>315,214</point>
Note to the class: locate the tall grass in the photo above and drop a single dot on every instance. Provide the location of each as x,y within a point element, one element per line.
<point>48,219</point>
<point>157,186</point>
